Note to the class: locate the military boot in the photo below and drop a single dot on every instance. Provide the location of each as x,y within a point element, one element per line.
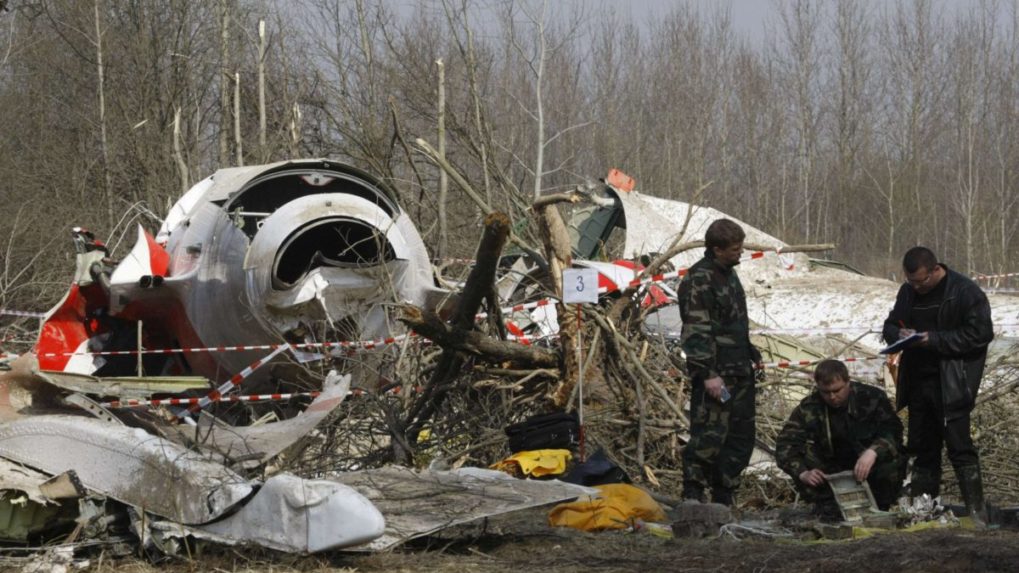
<point>693,492</point>
<point>721,495</point>
<point>971,485</point>
<point>923,481</point>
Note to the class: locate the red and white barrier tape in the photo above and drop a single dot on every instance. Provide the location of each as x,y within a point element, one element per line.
<point>9,312</point>
<point>824,330</point>
<point>661,277</point>
<point>195,401</point>
<point>980,277</point>
<point>847,329</point>
<point>797,363</point>
<point>351,346</point>
<point>154,402</point>
<point>232,383</point>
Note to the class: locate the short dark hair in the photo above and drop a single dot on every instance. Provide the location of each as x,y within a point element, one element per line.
<point>828,370</point>
<point>917,258</point>
<point>723,233</point>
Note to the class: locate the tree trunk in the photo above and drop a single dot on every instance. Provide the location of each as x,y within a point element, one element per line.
<point>224,81</point>
<point>103,143</point>
<point>443,178</point>
<point>263,154</point>
<point>476,289</point>
<point>238,148</point>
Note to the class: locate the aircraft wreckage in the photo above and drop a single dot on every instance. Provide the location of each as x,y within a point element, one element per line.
<point>257,272</point>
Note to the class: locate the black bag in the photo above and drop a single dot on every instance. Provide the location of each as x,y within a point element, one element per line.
<point>596,470</point>
<point>545,431</point>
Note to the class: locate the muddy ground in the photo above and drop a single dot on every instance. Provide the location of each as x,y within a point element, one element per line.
<point>523,543</point>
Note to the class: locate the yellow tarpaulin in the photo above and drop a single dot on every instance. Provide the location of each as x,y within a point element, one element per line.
<point>616,506</point>
<point>535,463</point>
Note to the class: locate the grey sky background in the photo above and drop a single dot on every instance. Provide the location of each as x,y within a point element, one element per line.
<point>752,19</point>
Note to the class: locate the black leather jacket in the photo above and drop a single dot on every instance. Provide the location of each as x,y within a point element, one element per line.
<point>964,331</point>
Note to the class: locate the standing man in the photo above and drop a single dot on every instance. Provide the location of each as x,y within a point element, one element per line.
<point>841,426</point>
<point>940,373</point>
<point>719,361</point>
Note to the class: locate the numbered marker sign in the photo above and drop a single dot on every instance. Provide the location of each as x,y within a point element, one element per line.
<point>580,286</point>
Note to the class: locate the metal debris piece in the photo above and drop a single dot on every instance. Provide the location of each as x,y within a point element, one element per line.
<point>126,464</point>
<point>123,386</point>
<point>24,510</point>
<point>854,498</point>
<point>92,407</point>
<point>21,519</point>
<point>299,516</point>
<point>416,503</point>
<point>63,486</point>
<point>20,478</point>
<point>857,502</point>
<point>258,443</point>
<point>924,508</point>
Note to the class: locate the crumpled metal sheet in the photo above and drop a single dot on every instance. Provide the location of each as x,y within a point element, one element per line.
<point>299,516</point>
<point>17,477</point>
<point>659,220</point>
<point>259,443</point>
<point>126,464</point>
<point>124,386</point>
<point>416,503</point>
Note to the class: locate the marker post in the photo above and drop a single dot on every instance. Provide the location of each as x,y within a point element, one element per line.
<point>580,286</point>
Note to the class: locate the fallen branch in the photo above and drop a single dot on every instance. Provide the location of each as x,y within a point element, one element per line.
<point>430,325</point>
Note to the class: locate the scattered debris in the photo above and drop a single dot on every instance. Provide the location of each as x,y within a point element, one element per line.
<point>271,276</point>
<point>924,508</point>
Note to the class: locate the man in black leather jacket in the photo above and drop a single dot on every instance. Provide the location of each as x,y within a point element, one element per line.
<point>940,373</point>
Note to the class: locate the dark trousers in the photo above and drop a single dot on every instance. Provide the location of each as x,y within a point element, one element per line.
<point>929,432</point>
<point>721,438</point>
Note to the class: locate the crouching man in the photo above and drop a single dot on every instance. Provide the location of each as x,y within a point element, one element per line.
<point>840,426</point>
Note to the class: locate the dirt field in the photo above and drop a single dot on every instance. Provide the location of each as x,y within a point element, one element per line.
<point>523,543</point>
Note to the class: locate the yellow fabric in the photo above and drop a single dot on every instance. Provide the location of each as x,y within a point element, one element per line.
<point>535,463</point>
<point>616,506</point>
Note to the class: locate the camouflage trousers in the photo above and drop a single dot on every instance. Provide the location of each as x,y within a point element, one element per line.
<point>885,480</point>
<point>721,439</point>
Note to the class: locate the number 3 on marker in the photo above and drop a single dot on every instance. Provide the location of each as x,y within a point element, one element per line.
<point>580,279</point>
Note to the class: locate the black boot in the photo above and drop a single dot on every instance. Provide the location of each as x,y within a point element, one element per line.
<point>971,485</point>
<point>721,496</point>
<point>693,492</point>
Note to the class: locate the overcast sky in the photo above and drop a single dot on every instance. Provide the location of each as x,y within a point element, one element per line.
<point>750,18</point>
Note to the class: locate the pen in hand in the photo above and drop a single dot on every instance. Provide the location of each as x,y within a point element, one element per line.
<point>905,332</point>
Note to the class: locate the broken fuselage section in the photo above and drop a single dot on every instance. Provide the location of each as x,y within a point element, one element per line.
<point>299,251</point>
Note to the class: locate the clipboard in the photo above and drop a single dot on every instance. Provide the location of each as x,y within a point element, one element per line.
<point>901,344</point>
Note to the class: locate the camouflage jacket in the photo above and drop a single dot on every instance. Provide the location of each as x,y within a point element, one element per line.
<point>808,433</point>
<point>716,330</point>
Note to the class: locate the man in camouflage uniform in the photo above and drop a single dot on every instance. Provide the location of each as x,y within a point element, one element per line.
<point>841,426</point>
<point>719,360</point>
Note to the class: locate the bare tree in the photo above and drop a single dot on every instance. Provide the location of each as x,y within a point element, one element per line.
<point>225,66</point>
<point>801,21</point>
